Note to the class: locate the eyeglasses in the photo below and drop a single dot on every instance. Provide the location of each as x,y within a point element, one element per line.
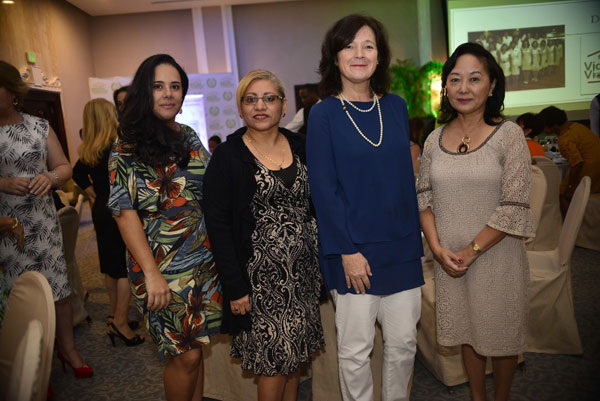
<point>267,99</point>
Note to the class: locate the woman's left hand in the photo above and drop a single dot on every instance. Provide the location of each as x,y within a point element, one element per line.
<point>41,184</point>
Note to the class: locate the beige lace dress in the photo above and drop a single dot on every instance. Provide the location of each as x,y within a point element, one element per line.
<point>490,185</point>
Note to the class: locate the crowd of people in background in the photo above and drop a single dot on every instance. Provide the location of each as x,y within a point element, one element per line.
<point>246,236</point>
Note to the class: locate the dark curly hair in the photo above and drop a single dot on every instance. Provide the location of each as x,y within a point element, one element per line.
<point>153,140</point>
<point>494,104</point>
<point>338,37</point>
<point>551,116</point>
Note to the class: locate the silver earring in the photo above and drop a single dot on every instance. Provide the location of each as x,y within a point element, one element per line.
<point>15,102</point>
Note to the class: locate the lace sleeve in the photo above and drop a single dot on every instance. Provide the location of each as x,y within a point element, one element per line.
<point>424,191</point>
<point>513,215</point>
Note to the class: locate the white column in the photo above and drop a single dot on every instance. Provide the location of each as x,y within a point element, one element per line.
<point>199,40</point>
<point>229,39</point>
<point>424,31</point>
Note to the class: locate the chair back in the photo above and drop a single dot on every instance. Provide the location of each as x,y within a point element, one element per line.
<point>550,225</point>
<point>69,218</point>
<point>572,222</point>
<point>538,194</point>
<point>69,223</point>
<point>30,299</point>
<point>27,364</point>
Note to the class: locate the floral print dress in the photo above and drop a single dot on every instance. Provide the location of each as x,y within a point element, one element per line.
<point>168,201</point>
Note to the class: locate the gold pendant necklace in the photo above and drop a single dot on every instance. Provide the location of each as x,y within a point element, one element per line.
<point>251,143</point>
<point>464,146</point>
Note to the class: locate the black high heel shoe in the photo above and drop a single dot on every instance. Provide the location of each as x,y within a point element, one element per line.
<point>130,342</point>
<point>133,324</point>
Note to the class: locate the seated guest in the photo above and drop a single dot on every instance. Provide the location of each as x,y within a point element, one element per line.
<point>263,235</point>
<point>579,146</point>
<point>213,142</point>
<point>531,127</point>
<point>310,96</point>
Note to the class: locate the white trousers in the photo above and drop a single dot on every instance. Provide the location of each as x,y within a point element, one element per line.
<point>355,316</point>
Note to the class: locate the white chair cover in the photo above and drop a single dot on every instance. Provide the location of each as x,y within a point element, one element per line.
<point>552,326</point>
<point>224,378</point>
<point>69,221</point>
<point>551,221</point>
<point>30,299</point>
<point>589,232</point>
<point>538,197</point>
<point>27,364</point>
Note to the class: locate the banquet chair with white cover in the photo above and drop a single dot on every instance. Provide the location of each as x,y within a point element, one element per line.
<point>30,299</point>
<point>548,231</point>
<point>589,232</point>
<point>27,364</point>
<point>538,197</point>
<point>552,326</point>
<point>69,218</point>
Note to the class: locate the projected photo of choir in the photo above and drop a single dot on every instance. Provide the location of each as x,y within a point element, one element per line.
<point>531,58</point>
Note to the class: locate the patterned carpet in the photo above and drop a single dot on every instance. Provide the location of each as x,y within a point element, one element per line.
<point>135,373</point>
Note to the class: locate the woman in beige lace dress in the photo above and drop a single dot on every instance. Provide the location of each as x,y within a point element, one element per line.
<point>473,193</point>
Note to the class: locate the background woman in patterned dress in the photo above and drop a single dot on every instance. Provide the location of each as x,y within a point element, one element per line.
<point>156,171</point>
<point>263,234</point>
<point>31,162</point>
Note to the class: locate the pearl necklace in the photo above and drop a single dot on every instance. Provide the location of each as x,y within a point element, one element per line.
<point>375,102</point>
<point>251,142</point>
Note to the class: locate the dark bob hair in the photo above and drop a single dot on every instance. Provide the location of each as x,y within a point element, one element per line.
<point>532,122</point>
<point>341,35</point>
<point>495,103</point>
<point>153,140</point>
<point>552,116</point>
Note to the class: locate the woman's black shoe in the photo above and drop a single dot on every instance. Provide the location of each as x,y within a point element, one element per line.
<point>130,342</point>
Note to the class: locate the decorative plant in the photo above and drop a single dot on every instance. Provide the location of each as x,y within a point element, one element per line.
<point>414,85</point>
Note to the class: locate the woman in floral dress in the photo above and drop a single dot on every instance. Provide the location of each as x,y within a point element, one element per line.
<point>156,171</point>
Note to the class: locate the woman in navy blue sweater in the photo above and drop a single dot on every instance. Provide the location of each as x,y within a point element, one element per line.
<point>362,185</point>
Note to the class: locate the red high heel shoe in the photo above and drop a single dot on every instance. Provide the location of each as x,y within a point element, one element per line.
<point>81,372</point>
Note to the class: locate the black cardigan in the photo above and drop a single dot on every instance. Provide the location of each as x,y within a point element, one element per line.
<point>229,186</point>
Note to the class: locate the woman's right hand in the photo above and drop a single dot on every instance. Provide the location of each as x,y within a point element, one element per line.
<point>14,185</point>
<point>157,289</point>
<point>450,262</point>
<point>241,306</point>
<point>357,272</point>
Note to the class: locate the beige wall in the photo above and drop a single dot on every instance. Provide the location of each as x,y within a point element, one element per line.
<point>214,39</point>
<point>59,35</point>
<point>286,37</point>
<point>121,42</point>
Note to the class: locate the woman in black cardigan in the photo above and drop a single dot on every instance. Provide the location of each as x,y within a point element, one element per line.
<point>263,237</point>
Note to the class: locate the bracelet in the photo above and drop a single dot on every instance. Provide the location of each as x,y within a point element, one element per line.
<point>16,224</point>
<point>476,248</point>
<point>55,178</point>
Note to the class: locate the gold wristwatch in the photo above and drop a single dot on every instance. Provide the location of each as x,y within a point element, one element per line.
<point>476,248</point>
